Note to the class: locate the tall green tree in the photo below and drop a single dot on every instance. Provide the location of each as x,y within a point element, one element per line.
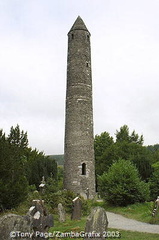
<point>137,154</point>
<point>123,135</point>
<point>18,138</point>
<point>13,182</point>
<point>20,166</point>
<point>102,142</point>
<point>128,146</point>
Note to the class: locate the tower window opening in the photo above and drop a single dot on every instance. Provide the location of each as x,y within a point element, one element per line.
<point>72,36</point>
<point>88,37</point>
<point>87,64</point>
<point>83,169</point>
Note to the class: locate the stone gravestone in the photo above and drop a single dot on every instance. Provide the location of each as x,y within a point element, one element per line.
<point>26,227</point>
<point>97,223</point>
<point>14,227</point>
<point>76,209</point>
<point>61,212</point>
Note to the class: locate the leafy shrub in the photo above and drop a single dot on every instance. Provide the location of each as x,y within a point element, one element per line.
<point>53,196</point>
<point>121,185</point>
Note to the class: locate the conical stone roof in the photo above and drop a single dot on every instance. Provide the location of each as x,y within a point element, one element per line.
<point>79,25</point>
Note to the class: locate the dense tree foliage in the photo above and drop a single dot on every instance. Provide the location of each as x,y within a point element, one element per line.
<point>121,185</point>
<point>13,182</point>
<point>39,165</point>
<point>122,165</point>
<point>102,144</point>
<point>127,146</point>
<point>123,135</point>
<point>20,166</point>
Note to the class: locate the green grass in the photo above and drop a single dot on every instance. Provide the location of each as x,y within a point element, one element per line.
<point>139,211</point>
<point>69,225</point>
<point>78,226</point>
<point>129,235</point>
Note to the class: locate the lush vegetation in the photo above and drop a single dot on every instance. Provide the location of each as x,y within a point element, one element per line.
<point>127,150</point>
<point>20,168</point>
<point>127,146</point>
<point>139,211</point>
<point>121,185</point>
<point>127,177</point>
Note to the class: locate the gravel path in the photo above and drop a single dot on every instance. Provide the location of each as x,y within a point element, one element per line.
<point>119,222</point>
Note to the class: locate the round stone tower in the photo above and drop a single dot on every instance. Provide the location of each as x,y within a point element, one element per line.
<point>79,167</point>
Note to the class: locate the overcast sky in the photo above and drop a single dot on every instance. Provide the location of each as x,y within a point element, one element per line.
<point>125,66</point>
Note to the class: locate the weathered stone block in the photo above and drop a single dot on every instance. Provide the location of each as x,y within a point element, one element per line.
<point>62,213</point>
<point>97,222</point>
<point>11,224</point>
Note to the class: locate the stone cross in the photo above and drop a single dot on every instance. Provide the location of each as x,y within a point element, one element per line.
<point>41,220</point>
<point>76,209</point>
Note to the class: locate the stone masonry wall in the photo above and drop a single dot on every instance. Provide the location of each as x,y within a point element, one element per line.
<point>79,141</point>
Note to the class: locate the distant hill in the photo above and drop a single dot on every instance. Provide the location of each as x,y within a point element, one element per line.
<point>58,158</point>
